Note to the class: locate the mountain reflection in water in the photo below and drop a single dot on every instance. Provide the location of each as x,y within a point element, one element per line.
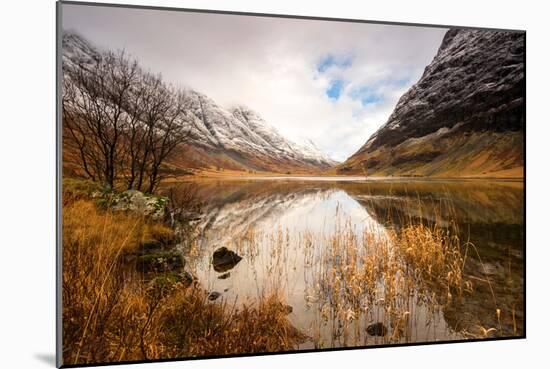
<point>488,214</point>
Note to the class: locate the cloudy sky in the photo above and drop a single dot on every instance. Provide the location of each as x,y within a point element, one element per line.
<point>332,82</point>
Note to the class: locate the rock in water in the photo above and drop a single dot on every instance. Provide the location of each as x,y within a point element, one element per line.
<point>377,329</point>
<point>214,296</point>
<point>224,260</point>
<point>464,117</point>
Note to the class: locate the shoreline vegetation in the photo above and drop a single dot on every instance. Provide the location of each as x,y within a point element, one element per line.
<point>124,300</point>
<point>128,293</point>
<point>517,175</point>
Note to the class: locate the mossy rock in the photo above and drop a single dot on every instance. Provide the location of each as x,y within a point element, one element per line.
<point>167,282</point>
<point>134,201</point>
<point>161,262</point>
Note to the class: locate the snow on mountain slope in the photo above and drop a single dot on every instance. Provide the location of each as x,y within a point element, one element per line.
<point>76,48</point>
<point>301,151</point>
<point>464,117</point>
<point>235,138</point>
<point>309,150</point>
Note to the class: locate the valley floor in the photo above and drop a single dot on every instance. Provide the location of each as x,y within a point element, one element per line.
<point>509,174</point>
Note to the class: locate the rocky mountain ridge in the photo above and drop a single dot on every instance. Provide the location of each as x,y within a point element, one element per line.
<point>220,138</point>
<point>464,117</point>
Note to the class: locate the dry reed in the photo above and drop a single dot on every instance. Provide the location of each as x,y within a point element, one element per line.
<point>111,312</point>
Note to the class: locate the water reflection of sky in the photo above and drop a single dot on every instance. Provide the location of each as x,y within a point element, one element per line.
<point>317,213</point>
<point>490,212</point>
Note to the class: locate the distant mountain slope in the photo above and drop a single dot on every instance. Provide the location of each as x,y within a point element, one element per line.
<point>464,117</point>
<point>241,135</point>
<point>237,139</point>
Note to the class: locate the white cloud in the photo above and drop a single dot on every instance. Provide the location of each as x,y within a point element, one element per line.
<point>270,64</point>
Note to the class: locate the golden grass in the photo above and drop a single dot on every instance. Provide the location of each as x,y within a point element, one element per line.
<point>402,277</point>
<point>433,254</point>
<point>384,278</point>
<point>112,313</point>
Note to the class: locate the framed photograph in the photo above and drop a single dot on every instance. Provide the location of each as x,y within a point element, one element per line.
<point>235,184</point>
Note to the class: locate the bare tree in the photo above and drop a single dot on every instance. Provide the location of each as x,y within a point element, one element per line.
<point>123,122</point>
<point>156,127</point>
<point>169,133</point>
<point>94,97</point>
<point>136,135</point>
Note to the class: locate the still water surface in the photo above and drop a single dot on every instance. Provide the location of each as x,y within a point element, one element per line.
<point>285,211</point>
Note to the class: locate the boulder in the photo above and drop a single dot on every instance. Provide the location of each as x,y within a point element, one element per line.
<point>224,260</point>
<point>135,201</point>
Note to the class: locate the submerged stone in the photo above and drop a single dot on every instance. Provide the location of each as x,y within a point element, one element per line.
<point>224,259</point>
<point>214,295</point>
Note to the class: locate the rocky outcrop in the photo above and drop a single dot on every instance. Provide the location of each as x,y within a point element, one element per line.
<point>137,202</point>
<point>465,116</point>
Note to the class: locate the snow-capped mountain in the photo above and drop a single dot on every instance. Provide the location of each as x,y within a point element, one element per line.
<point>309,150</point>
<point>236,138</point>
<point>464,117</point>
<point>78,48</point>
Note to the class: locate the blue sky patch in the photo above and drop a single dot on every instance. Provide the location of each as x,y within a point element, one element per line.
<point>335,89</point>
<point>370,95</point>
<point>400,82</point>
<point>371,99</point>
<point>367,95</point>
<point>330,60</point>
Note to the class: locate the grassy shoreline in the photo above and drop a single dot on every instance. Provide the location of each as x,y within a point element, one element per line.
<point>112,311</point>
<point>116,309</point>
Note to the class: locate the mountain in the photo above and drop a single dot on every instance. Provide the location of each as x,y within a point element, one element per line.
<point>241,137</point>
<point>76,48</point>
<point>220,138</point>
<point>464,117</point>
